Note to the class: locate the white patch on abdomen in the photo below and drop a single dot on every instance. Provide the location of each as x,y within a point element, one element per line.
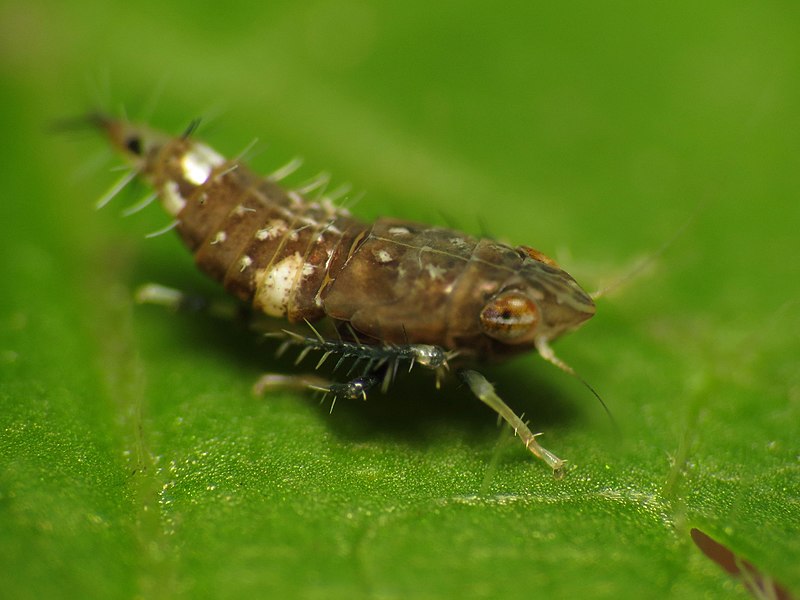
<point>171,198</point>
<point>274,285</point>
<point>198,163</point>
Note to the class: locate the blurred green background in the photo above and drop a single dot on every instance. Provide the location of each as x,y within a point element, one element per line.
<point>134,461</point>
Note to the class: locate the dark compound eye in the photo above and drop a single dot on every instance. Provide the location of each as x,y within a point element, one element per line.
<point>134,145</point>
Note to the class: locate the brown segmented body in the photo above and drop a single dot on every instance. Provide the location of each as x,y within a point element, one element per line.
<point>393,282</point>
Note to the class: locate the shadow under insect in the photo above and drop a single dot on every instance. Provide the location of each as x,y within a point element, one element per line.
<point>412,409</point>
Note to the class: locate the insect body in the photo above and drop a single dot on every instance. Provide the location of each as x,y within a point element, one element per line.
<point>395,290</point>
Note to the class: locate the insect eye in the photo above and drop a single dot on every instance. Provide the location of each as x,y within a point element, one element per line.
<point>510,317</point>
<point>134,145</point>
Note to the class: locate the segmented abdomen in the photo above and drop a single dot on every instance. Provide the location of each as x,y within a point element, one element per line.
<point>394,281</point>
<point>266,245</point>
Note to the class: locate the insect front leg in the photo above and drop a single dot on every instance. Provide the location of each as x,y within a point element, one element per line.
<point>485,392</point>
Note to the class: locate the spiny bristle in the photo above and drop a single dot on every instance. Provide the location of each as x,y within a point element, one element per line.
<point>141,205</point>
<point>319,182</point>
<point>163,230</point>
<point>115,189</point>
<point>286,170</point>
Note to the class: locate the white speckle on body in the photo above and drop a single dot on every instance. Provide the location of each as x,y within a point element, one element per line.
<point>434,271</point>
<point>171,198</point>
<point>241,209</point>
<point>274,284</point>
<point>382,256</point>
<point>245,262</point>
<point>198,163</point>
<point>219,238</point>
<point>399,231</point>
<point>271,230</point>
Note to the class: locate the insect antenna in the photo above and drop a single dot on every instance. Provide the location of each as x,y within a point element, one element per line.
<point>546,352</point>
<point>640,266</point>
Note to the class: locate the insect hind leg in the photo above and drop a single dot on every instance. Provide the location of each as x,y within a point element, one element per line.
<point>485,392</point>
<point>178,301</point>
<point>374,360</point>
<point>351,390</point>
<point>374,364</point>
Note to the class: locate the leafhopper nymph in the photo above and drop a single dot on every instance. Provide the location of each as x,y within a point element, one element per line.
<point>384,295</point>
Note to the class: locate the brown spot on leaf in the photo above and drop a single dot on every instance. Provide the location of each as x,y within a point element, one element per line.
<point>756,582</point>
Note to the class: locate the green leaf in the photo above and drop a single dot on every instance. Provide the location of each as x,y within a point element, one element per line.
<point>134,459</point>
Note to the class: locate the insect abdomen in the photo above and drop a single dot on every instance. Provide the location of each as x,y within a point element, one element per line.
<point>267,246</point>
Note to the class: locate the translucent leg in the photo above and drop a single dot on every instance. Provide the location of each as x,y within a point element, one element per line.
<point>484,391</point>
<point>154,293</point>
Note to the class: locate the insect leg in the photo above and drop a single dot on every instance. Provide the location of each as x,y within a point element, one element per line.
<point>154,293</point>
<point>351,390</point>
<point>484,390</point>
